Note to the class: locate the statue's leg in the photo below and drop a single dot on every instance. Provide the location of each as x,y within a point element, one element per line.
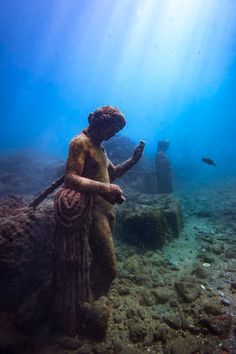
<point>103,266</point>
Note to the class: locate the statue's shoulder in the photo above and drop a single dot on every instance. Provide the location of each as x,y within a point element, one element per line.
<point>80,141</point>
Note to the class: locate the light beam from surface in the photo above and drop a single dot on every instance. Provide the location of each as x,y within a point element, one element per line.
<point>175,53</point>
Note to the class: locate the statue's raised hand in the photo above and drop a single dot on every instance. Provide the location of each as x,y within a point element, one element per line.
<point>138,151</point>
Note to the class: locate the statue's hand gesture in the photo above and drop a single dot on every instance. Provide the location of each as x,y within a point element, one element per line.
<point>138,151</point>
<point>113,194</point>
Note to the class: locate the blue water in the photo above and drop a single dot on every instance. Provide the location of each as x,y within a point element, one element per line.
<point>169,65</point>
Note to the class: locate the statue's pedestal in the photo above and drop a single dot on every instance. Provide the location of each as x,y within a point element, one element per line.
<point>149,221</point>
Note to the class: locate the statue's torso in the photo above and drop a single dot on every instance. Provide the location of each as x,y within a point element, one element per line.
<point>96,168</point>
<point>96,164</point>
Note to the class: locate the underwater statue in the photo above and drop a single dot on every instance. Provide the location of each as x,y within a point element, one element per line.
<point>85,261</point>
<point>163,169</point>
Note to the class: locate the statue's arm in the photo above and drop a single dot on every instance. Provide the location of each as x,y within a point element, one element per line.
<point>75,180</point>
<point>119,170</point>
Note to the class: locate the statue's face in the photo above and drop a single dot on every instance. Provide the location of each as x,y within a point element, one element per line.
<point>109,131</point>
<point>104,130</point>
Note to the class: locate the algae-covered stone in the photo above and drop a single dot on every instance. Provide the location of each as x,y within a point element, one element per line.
<point>212,309</point>
<point>187,345</point>
<point>137,330</point>
<point>122,348</point>
<point>148,226</point>
<point>174,320</point>
<point>188,291</point>
<point>147,298</point>
<point>218,325</point>
<point>94,319</point>
<point>25,252</point>
<point>162,296</point>
<point>199,271</point>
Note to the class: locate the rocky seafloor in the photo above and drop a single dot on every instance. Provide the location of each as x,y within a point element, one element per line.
<point>177,297</point>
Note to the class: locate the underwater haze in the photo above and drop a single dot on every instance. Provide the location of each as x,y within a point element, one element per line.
<point>146,265</point>
<point>168,65</point>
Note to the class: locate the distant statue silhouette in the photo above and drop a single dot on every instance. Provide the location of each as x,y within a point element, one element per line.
<point>163,169</point>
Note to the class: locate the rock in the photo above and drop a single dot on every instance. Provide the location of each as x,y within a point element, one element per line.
<point>217,249</point>
<point>34,310</point>
<point>233,285</point>
<point>212,309</point>
<point>147,298</point>
<point>218,325</point>
<point>207,257</point>
<point>133,312</point>
<point>209,348</point>
<point>161,334</point>
<point>161,296</point>
<point>186,345</point>
<point>25,254</point>
<point>188,291</point>
<point>174,303</point>
<point>230,253</point>
<point>142,279</point>
<point>225,301</point>
<point>25,267</point>
<point>199,271</point>
<point>94,319</point>
<point>123,290</point>
<point>121,348</point>
<point>148,277</point>
<point>149,337</point>
<point>204,213</point>
<point>117,318</point>
<point>86,349</point>
<point>174,320</point>
<point>10,205</point>
<point>137,330</point>
<point>148,226</point>
<point>193,329</point>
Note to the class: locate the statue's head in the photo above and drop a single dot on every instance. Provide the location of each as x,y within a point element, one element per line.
<point>105,122</point>
<point>163,145</point>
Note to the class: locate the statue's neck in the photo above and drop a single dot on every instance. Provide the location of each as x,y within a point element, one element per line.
<point>94,136</point>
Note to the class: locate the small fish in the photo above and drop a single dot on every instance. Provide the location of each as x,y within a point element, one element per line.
<point>208,161</point>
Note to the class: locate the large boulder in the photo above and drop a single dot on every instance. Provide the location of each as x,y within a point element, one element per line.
<point>25,251</point>
<point>25,271</point>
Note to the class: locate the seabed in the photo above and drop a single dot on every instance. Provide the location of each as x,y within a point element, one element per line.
<point>178,299</point>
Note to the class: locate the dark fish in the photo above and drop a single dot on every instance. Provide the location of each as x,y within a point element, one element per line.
<point>208,161</point>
